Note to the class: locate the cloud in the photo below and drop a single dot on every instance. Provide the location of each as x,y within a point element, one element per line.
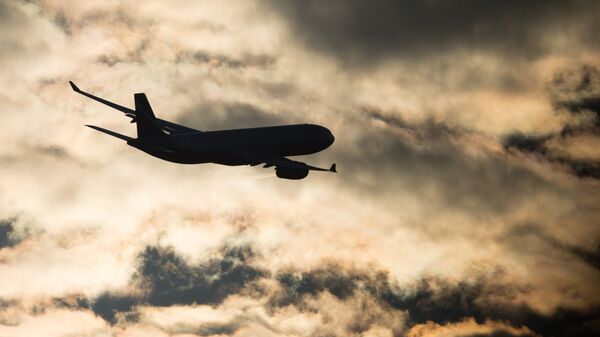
<point>576,91</point>
<point>210,329</point>
<point>537,145</point>
<point>112,307</point>
<point>527,143</point>
<point>216,60</point>
<point>470,328</point>
<point>488,297</point>
<point>7,238</point>
<point>429,306</point>
<point>589,256</point>
<point>295,286</point>
<point>428,301</point>
<point>80,323</point>
<point>211,116</point>
<point>456,210</point>
<point>460,165</point>
<point>168,280</point>
<point>164,279</point>
<point>367,32</point>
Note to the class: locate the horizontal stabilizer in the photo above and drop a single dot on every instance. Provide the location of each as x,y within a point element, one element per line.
<point>108,132</point>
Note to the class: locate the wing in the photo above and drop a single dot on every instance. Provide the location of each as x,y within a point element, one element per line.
<point>170,127</point>
<point>294,165</point>
<point>128,112</point>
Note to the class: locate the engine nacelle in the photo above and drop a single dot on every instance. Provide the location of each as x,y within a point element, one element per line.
<point>288,173</point>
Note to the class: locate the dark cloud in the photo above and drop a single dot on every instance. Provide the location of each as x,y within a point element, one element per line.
<point>409,156</point>
<point>71,302</point>
<point>217,329</point>
<point>228,115</point>
<point>112,306</point>
<point>585,169</point>
<point>537,145</point>
<point>368,31</point>
<point>164,278</point>
<point>135,55</point>
<point>295,286</point>
<point>579,130</point>
<point>167,279</point>
<point>342,283</point>
<point>62,22</point>
<point>214,60</point>
<point>441,301</point>
<point>8,237</point>
<point>4,303</point>
<point>501,333</point>
<point>489,296</point>
<point>527,143</point>
<point>576,91</point>
<point>220,60</point>
<point>428,130</point>
<point>55,151</point>
<point>583,80</point>
<point>584,104</point>
<point>521,233</point>
<point>209,329</point>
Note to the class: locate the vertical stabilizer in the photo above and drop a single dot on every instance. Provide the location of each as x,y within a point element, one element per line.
<point>147,126</point>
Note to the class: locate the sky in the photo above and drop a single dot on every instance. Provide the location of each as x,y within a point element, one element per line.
<point>466,203</point>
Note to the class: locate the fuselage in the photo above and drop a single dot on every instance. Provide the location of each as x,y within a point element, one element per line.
<point>238,146</point>
<point>180,144</point>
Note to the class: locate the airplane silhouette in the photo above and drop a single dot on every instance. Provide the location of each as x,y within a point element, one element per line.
<point>253,146</point>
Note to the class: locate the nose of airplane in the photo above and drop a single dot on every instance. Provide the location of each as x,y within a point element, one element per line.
<point>331,138</point>
<point>328,136</point>
<point>322,135</point>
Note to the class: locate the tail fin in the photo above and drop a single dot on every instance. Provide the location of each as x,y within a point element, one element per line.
<point>147,126</point>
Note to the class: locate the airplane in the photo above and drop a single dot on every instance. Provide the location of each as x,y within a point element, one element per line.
<point>252,146</point>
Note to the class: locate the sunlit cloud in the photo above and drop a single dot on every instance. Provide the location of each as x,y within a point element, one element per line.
<point>466,202</point>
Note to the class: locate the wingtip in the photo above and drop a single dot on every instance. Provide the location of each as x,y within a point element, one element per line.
<point>333,168</point>
<point>74,87</point>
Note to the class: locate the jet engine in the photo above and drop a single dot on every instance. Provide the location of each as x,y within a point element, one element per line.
<point>289,173</point>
